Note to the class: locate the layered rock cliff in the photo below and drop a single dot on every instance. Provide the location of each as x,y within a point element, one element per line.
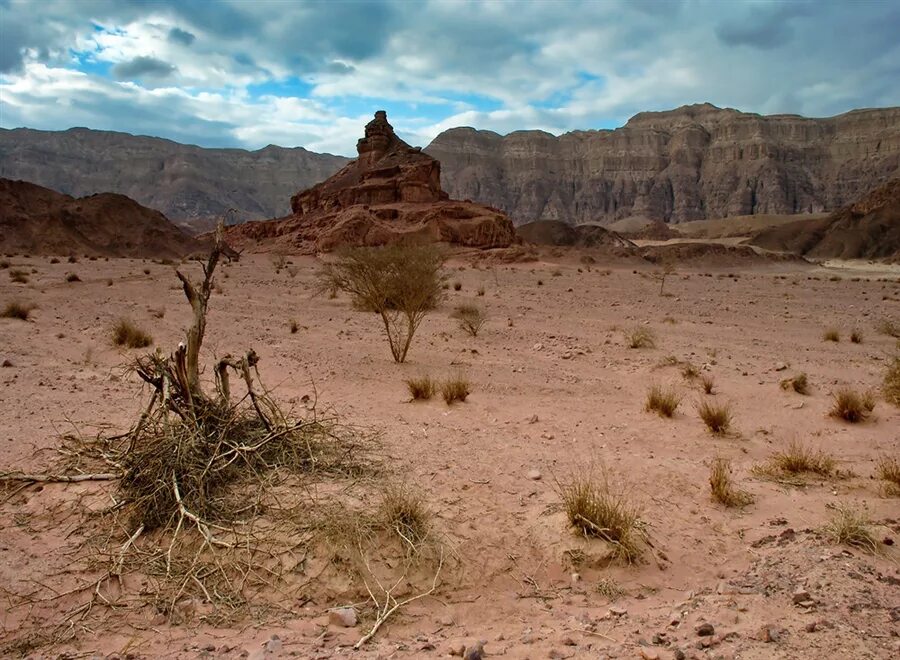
<point>190,185</point>
<point>391,193</point>
<point>693,163</point>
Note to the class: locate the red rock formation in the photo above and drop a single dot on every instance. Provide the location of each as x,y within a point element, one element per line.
<point>390,193</point>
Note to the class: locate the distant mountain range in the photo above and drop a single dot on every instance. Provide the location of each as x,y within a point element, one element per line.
<point>692,163</point>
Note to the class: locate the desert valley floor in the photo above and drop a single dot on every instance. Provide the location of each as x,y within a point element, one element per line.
<point>555,390</point>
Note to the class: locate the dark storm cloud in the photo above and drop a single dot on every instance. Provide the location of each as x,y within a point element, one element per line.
<point>183,37</point>
<point>143,67</point>
<point>764,26</point>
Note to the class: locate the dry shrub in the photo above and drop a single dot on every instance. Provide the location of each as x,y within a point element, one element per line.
<point>856,337</point>
<point>891,385</point>
<point>716,416</point>
<point>661,400</point>
<point>831,334</point>
<point>598,508</point>
<point>609,588</point>
<point>797,459</point>
<point>480,291</point>
<point>18,276</point>
<point>851,526</point>
<point>293,326</point>
<point>404,511</point>
<point>471,318</point>
<point>851,406</point>
<point>72,277</point>
<point>689,371</point>
<point>707,384</point>
<point>4,264</point>
<point>455,389</point>
<point>722,487</point>
<point>126,333</point>
<point>888,469</point>
<point>17,310</point>
<point>421,388</point>
<point>399,283</point>
<point>73,259</point>
<point>640,337</point>
<point>798,383</point>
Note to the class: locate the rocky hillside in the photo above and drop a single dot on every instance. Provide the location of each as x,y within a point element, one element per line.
<point>866,229</point>
<point>37,220</point>
<point>189,184</point>
<point>693,163</point>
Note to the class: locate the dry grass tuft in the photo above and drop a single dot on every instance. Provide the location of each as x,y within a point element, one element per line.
<point>722,487</point>
<point>640,337</point>
<point>851,406</point>
<point>831,334</point>
<point>689,371</point>
<point>471,318</point>
<point>662,401</point>
<point>798,459</point>
<point>404,511</point>
<point>18,276</point>
<point>421,388</point>
<point>293,326</point>
<point>126,333</point>
<point>716,416</point>
<point>856,337</point>
<point>851,526</point>
<point>891,386</point>
<point>707,384</point>
<point>888,469</point>
<point>17,310</point>
<point>72,277</point>
<point>455,389</point>
<point>596,508</point>
<point>609,588</point>
<point>798,383</point>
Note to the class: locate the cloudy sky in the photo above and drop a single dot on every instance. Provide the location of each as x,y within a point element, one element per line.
<point>248,73</point>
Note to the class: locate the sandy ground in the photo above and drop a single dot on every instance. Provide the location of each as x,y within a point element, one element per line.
<point>555,389</point>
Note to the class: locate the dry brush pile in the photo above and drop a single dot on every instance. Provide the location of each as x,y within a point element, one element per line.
<point>221,500</point>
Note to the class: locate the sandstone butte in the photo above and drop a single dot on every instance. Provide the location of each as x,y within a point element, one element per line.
<point>391,193</point>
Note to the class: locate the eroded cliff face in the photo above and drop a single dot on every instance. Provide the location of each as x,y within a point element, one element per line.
<point>693,163</point>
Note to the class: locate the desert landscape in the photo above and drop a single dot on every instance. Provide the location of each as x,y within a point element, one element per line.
<point>601,370</point>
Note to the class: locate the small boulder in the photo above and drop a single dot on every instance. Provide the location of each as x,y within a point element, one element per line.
<point>344,617</point>
<point>706,630</point>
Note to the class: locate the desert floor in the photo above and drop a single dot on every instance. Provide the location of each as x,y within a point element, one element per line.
<point>555,391</point>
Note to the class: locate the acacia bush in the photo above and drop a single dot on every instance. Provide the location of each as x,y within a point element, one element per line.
<point>400,283</point>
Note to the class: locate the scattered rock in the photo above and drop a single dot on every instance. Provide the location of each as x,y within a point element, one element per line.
<point>768,634</point>
<point>649,654</point>
<point>534,475</point>
<point>533,419</point>
<point>781,366</point>
<point>474,652</point>
<point>345,617</point>
<point>800,595</point>
<point>568,641</point>
<point>617,611</point>
<point>457,650</point>
<point>706,630</point>
<point>678,654</point>
<point>273,645</point>
<point>812,626</point>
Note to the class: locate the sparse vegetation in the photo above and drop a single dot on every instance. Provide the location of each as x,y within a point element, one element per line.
<point>888,470</point>
<point>640,337</point>
<point>457,286</point>
<point>689,371</point>
<point>404,511</point>
<point>17,310</point>
<point>707,384</point>
<point>399,283</point>
<point>72,277</point>
<point>480,291</point>
<point>661,400</point>
<point>471,318</point>
<point>293,326</point>
<point>798,459</point>
<point>18,276</point>
<point>889,327</point>
<point>54,260</point>
<point>722,488</point>
<point>831,334</point>
<point>856,337</point>
<point>455,389</point>
<point>421,388</point>
<point>851,406</point>
<point>851,526</point>
<point>126,333</point>
<point>73,259</point>
<point>716,416</point>
<point>4,264</point>
<point>798,383</point>
<point>891,385</point>
<point>597,508</point>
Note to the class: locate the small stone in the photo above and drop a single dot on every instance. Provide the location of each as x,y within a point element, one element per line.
<point>474,652</point>
<point>576,577</point>
<point>767,634</point>
<point>618,611</point>
<point>811,626</point>
<point>679,654</point>
<point>345,617</point>
<point>568,641</point>
<point>649,654</point>
<point>705,630</point>
<point>273,645</point>
<point>534,475</point>
<point>533,419</point>
<point>457,650</point>
<point>781,366</point>
<point>800,595</point>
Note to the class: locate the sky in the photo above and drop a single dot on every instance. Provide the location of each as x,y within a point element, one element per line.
<point>248,73</point>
